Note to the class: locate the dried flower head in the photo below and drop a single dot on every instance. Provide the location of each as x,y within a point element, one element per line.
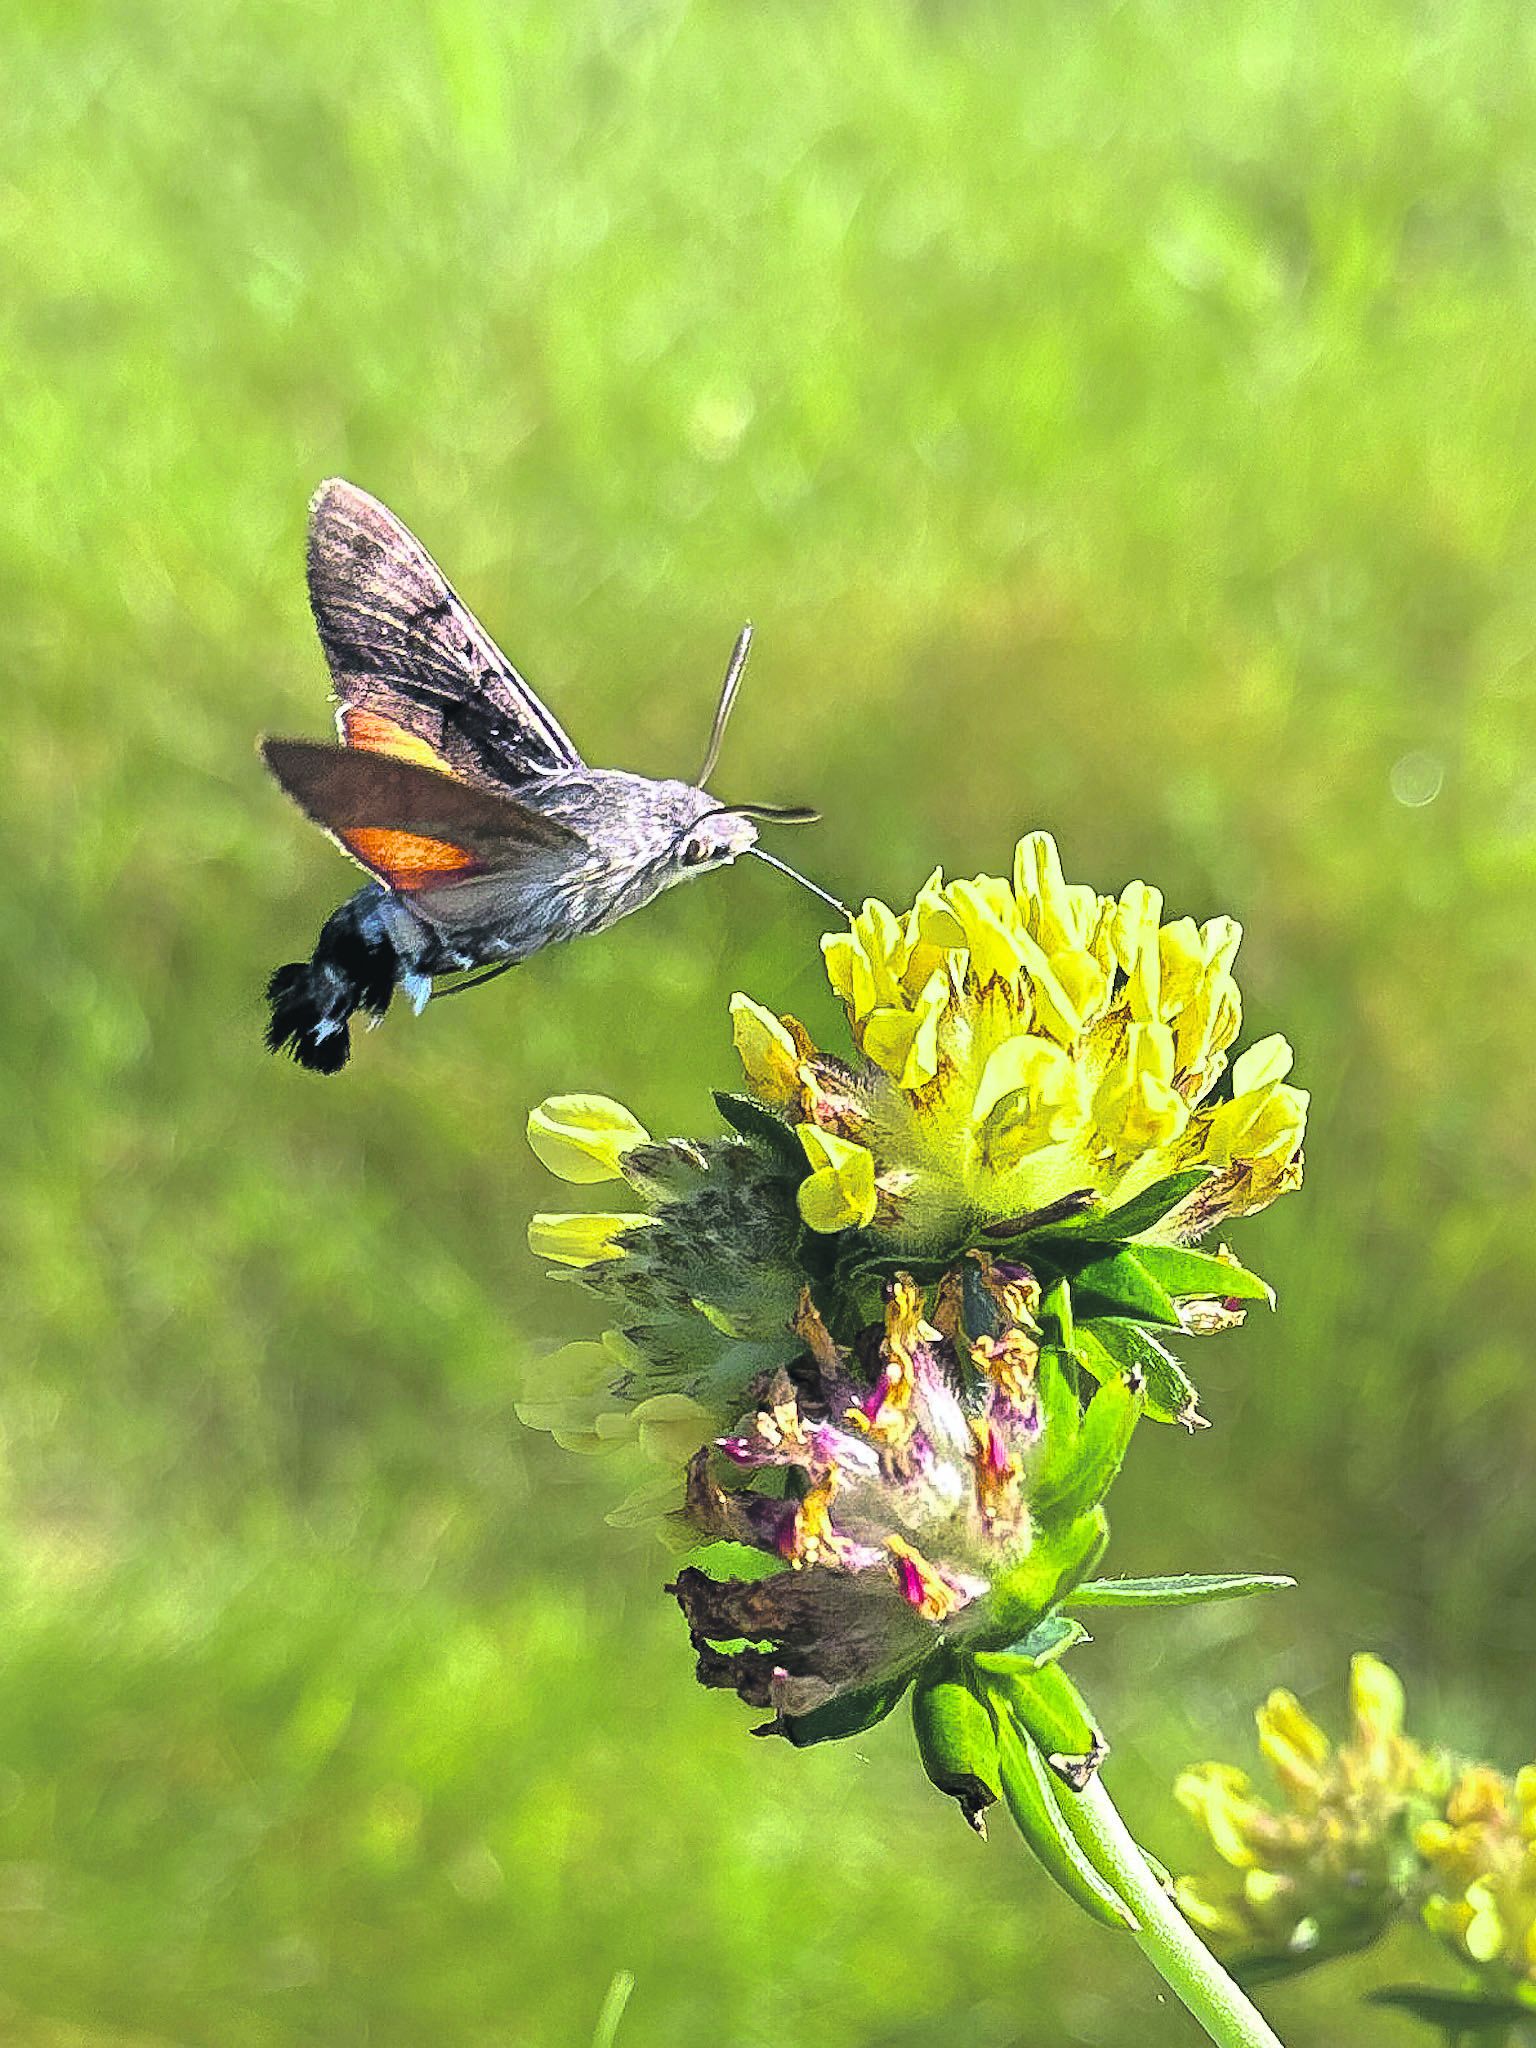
<point>938,1497</point>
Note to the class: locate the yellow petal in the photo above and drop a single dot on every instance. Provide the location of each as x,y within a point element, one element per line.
<point>992,946</point>
<point>887,1039</point>
<point>1375,1694</point>
<point>1205,1913</point>
<point>1133,924</point>
<point>840,1191</point>
<point>864,963</point>
<point>1083,981</point>
<point>1136,1107</point>
<point>1220,938</point>
<point>1294,1744</point>
<point>1214,1795</point>
<point>584,1239</point>
<point>1258,1125</point>
<point>1262,1065</point>
<point>839,952</point>
<point>769,1057</point>
<point>1035,1065</point>
<point>583,1138</point>
<point>1054,1008</point>
<point>1058,914</point>
<point>922,1061</point>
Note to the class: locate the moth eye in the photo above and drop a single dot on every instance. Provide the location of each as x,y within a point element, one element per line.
<point>694,851</point>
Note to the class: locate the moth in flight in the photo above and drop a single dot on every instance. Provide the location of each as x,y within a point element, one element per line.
<point>486,834</point>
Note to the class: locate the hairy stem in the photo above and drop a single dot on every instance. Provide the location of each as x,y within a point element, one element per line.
<point>1166,1938</point>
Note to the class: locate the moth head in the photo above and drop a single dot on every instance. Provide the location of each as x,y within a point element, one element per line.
<point>715,838</point>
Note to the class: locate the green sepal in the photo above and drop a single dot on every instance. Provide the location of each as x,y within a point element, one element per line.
<point>1115,1282</point>
<point>850,1713</point>
<point>1090,1352</point>
<point>1051,1637</point>
<point>1049,1708</point>
<point>1188,1275</point>
<point>1032,1800</point>
<point>1102,1441</point>
<point>1171,1395</point>
<point>1061,1421</point>
<point>1056,1306</point>
<point>1193,1589</point>
<point>1457,2012</point>
<point>760,1127</point>
<point>957,1742</point>
<point>1148,1208</point>
<point>1063,1555</point>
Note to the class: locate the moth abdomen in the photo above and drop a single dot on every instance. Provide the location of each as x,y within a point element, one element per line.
<point>356,965</point>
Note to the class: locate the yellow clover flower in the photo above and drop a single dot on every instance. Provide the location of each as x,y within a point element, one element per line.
<point>1482,1855</point>
<point>1021,1042</point>
<point>1330,1867</point>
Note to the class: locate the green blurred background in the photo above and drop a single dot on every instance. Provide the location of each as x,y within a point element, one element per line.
<point>1117,419</point>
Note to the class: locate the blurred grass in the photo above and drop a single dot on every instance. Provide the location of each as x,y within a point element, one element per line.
<point>1116,419</point>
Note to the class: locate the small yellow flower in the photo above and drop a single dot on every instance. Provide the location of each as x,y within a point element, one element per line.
<point>583,1138</point>
<point>840,1189</point>
<point>582,1239</point>
<point>569,1393</point>
<point>768,1053</point>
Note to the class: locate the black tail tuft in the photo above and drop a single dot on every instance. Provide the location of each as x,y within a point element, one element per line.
<point>354,968</point>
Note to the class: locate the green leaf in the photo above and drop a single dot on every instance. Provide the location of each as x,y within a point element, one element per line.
<point>722,1559</point>
<point>1192,1589</point>
<point>1108,1421</point>
<point>770,1133</point>
<point>1183,1273</point>
<point>851,1713</point>
<point>1456,2012</point>
<point>1121,1285</point>
<point>1032,1800</point>
<point>1050,1638</point>
<point>957,1741</point>
<point>1151,1205</point>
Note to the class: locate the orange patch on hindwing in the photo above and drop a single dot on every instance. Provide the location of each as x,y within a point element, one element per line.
<point>408,860</point>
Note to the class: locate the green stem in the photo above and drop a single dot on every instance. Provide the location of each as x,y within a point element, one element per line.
<point>1166,1938</point>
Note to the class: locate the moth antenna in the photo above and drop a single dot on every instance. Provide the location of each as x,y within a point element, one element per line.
<point>795,875</point>
<point>769,814</point>
<point>728,691</point>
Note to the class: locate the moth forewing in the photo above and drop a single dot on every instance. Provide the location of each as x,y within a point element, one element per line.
<point>402,645</point>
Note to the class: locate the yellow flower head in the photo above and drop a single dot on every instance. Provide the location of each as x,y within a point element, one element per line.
<point>1481,1852</point>
<point>1023,1041</point>
<point>1326,1869</point>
